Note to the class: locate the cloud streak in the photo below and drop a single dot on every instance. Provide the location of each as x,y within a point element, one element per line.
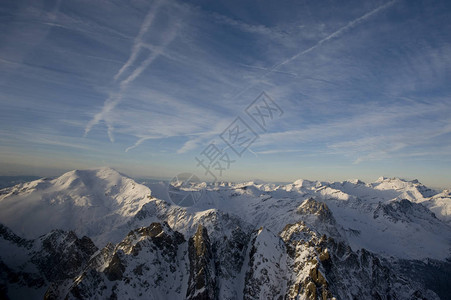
<point>356,82</point>
<point>333,35</point>
<point>366,135</point>
<point>138,45</point>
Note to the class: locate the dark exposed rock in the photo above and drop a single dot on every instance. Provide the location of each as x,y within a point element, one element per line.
<point>320,209</point>
<point>145,259</point>
<point>50,259</point>
<point>63,254</point>
<point>201,283</point>
<point>160,235</point>
<point>313,265</point>
<point>8,235</point>
<point>364,275</point>
<point>402,210</point>
<point>431,273</point>
<point>309,255</point>
<point>334,269</point>
<point>230,253</point>
<point>28,279</point>
<point>115,269</point>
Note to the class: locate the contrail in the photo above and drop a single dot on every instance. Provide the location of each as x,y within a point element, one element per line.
<point>350,25</point>
<point>139,142</point>
<point>336,33</point>
<point>138,40</point>
<point>113,100</point>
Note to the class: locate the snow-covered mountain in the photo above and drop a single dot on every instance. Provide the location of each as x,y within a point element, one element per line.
<point>94,234</point>
<point>90,202</point>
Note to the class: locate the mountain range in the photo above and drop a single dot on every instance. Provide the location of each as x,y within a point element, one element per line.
<point>98,234</point>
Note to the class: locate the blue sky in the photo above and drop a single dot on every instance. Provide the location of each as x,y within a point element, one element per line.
<point>146,86</point>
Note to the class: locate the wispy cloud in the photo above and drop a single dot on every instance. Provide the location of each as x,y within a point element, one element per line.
<point>279,151</point>
<point>47,137</point>
<point>358,82</point>
<point>139,39</point>
<point>116,98</point>
<point>364,134</point>
<point>336,33</point>
<point>268,33</point>
<point>138,142</point>
<point>333,35</point>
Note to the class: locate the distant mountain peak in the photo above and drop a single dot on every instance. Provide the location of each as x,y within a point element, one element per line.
<point>356,181</point>
<point>87,201</point>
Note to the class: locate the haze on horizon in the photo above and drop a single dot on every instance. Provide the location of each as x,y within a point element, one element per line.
<point>363,88</point>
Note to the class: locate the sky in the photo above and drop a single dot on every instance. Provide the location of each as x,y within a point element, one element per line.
<point>227,90</point>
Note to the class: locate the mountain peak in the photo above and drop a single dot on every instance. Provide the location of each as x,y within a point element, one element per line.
<point>397,179</point>
<point>356,181</point>
<point>305,183</point>
<point>102,172</point>
<point>77,200</point>
<point>382,179</point>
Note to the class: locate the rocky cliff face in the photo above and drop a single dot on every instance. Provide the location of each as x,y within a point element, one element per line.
<point>202,279</point>
<point>156,262</point>
<point>149,261</point>
<point>324,268</point>
<point>30,266</point>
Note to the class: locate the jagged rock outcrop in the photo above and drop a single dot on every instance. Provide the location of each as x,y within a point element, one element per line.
<point>147,262</point>
<point>32,265</point>
<point>403,211</point>
<point>319,209</point>
<point>324,268</point>
<point>62,254</point>
<point>7,235</point>
<point>156,262</point>
<point>306,260</point>
<point>202,281</point>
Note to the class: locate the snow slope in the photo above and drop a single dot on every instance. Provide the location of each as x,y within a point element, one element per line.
<point>90,202</point>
